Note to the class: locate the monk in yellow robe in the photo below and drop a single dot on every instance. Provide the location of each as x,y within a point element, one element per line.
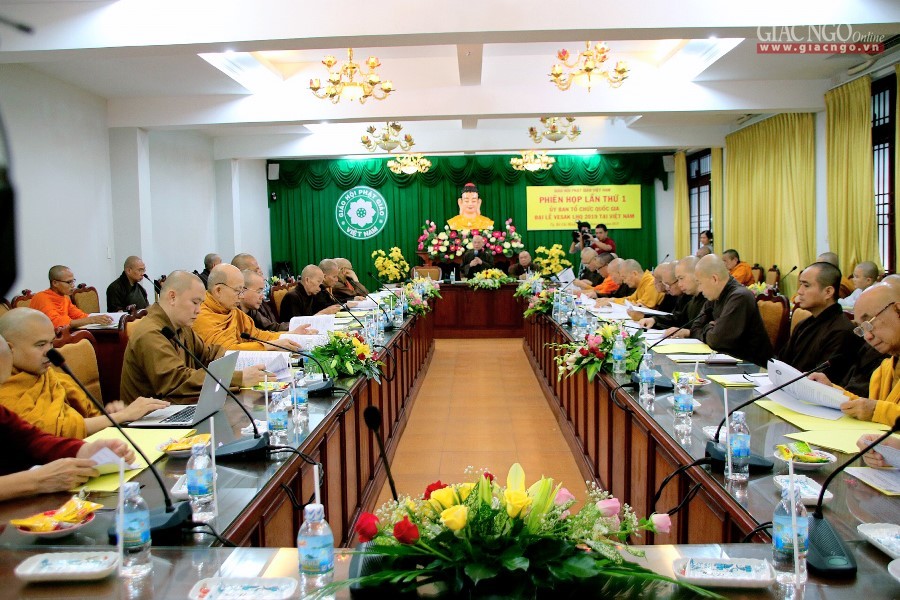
<point>469,216</point>
<point>645,293</point>
<point>221,321</point>
<point>45,397</point>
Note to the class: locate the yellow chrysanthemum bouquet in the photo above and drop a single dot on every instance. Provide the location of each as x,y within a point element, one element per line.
<point>391,266</point>
<point>550,261</point>
<point>489,279</point>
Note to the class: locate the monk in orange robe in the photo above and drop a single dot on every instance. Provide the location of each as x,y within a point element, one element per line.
<point>48,398</point>
<point>56,301</point>
<point>634,276</point>
<point>738,269</point>
<point>221,321</point>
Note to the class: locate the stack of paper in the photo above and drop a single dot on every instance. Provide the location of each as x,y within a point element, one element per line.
<point>808,422</point>
<point>736,380</point>
<point>805,390</point>
<point>683,346</point>
<point>885,481</point>
<point>115,316</point>
<point>274,362</point>
<point>306,342</point>
<point>643,309</point>
<point>321,323</point>
<point>365,305</point>
<point>148,440</point>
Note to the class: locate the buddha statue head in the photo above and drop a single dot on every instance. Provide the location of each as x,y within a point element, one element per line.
<point>469,202</point>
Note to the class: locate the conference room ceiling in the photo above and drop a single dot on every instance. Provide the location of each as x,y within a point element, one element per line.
<point>468,79</point>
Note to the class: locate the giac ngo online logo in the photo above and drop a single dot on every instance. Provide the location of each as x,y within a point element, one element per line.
<point>817,39</point>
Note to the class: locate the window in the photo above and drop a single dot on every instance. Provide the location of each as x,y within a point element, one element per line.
<point>884,98</point>
<point>698,170</point>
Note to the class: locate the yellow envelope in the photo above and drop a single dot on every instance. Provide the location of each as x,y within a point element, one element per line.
<point>807,423</point>
<point>683,349</point>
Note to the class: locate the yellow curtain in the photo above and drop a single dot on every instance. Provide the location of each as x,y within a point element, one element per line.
<point>896,178</point>
<point>770,201</point>
<point>682,209</point>
<point>851,192</point>
<point>716,206</point>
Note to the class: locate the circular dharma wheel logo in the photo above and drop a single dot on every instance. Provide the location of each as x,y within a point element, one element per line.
<point>361,212</point>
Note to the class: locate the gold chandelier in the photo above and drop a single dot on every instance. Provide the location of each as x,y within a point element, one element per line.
<point>585,69</point>
<point>409,164</point>
<point>342,81</point>
<point>532,161</point>
<point>388,139</point>
<point>555,130</point>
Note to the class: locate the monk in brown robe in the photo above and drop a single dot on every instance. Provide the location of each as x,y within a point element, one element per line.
<point>46,397</point>
<point>155,365</point>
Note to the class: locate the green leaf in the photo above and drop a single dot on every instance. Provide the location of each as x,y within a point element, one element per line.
<point>580,566</point>
<point>592,370</point>
<point>518,562</point>
<point>478,572</point>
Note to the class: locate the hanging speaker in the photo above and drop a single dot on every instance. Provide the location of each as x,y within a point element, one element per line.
<point>274,170</point>
<point>669,163</point>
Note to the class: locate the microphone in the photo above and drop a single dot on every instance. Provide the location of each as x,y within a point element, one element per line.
<point>319,388</point>
<point>165,525</point>
<point>783,277</point>
<point>758,464</point>
<point>342,305</point>
<point>243,447</point>
<point>155,286</point>
<point>663,260</point>
<point>372,417</point>
<point>676,330</point>
<point>827,555</point>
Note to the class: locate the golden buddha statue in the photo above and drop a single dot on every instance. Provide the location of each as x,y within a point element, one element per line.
<point>469,216</point>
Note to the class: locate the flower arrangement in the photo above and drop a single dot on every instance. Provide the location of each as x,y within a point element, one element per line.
<point>276,280</point>
<point>550,261</point>
<point>448,244</point>
<point>348,354</point>
<point>391,266</point>
<point>527,285</point>
<point>540,303</point>
<point>489,279</point>
<point>480,539</point>
<point>594,354</point>
<point>415,303</point>
<point>429,287</point>
<point>760,288</point>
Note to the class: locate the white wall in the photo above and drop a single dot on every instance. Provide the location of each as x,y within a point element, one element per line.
<point>255,233</point>
<point>183,199</point>
<point>665,217</point>
<point>60,168</point>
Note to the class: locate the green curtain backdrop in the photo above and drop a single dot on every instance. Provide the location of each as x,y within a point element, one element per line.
<point>303,223</point>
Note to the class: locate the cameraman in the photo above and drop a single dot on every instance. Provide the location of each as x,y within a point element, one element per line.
<point>581,237</point>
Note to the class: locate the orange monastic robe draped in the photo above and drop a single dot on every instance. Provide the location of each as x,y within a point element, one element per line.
<point>56,306</point>
<point>52,402</point>
<point>645,294</point>
<point>885,388</point>
<point>223,327</point>
<point>743,273</point>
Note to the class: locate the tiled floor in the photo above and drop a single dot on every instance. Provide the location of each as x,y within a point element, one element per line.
<point>480,405</point>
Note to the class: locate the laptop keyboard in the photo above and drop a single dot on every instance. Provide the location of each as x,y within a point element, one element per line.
<point>185,414</point>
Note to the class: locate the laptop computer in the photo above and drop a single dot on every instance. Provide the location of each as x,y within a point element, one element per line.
<point>212,399</point>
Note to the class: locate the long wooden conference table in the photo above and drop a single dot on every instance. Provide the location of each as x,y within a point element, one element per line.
<point>624,447</point>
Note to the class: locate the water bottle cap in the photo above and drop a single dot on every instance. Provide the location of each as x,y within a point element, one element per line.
<point>738,415</point>
<point>131,488</point>
<point>198,449</point>
<point>313,512</point>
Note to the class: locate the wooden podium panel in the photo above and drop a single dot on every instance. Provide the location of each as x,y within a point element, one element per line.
<point>464,312</point>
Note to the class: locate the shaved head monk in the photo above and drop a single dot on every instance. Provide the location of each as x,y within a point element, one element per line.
<point>156,366</point>
<point>308,298</point>
<point>45,397</point>
<point>254,301</point>
<point>634,276</point>
<point>221,321</point>
<point>730,321</point>
<point>56,301</point>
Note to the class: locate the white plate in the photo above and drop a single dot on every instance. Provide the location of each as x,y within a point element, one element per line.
<point>725,572</point>
<point>809,489</point>
<point>884,536</point>
<point>67,528</point>
<point>67,566</point>
<point>804,466</point>
<point>894,568</point>
<point>244,588</point>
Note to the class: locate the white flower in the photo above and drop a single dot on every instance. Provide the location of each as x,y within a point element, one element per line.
<point>459,252</point>
<point>444,248</point>
<point>506,245</point>
<point>442,236</point>
<point>469,246</point>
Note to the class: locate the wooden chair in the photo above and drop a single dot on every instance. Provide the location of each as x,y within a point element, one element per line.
<point>79,348</point>
<point>126,325</point>
<point>758,273</point>
<point>433,272</point>
<point>278,292</point>
<point>773,276</point>
<point>22,300</point>
<point>774,310</point>
<point>157,285</point>
<point>86,298</point>
<point>4,306</point>
<point>798,316</point>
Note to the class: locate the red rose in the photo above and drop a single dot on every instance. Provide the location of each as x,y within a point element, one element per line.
<point>367,527</point>
<point>361,356</point>
<point>583,351</point>
<point>434,486</point>
<point>489,476</point>
<point>406,532</point>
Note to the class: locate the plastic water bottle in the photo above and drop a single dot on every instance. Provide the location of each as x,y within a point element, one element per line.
<point>783,538</point>
<point>684,405</point>
<point>398,313</point>
<point>648,380</point>
<point>404,303</point>
<point>618,354</point>
<point>200,476</point>
<point>452,276</point>
<point>136,532</point>
<point>739,436</point>
<point>278,417</point>
<point>315,549</point>
<point>300,400</point>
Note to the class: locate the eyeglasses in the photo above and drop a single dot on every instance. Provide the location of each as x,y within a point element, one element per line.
<point>867,326</point>
<point>239,291</point>
<point>69,282</point>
